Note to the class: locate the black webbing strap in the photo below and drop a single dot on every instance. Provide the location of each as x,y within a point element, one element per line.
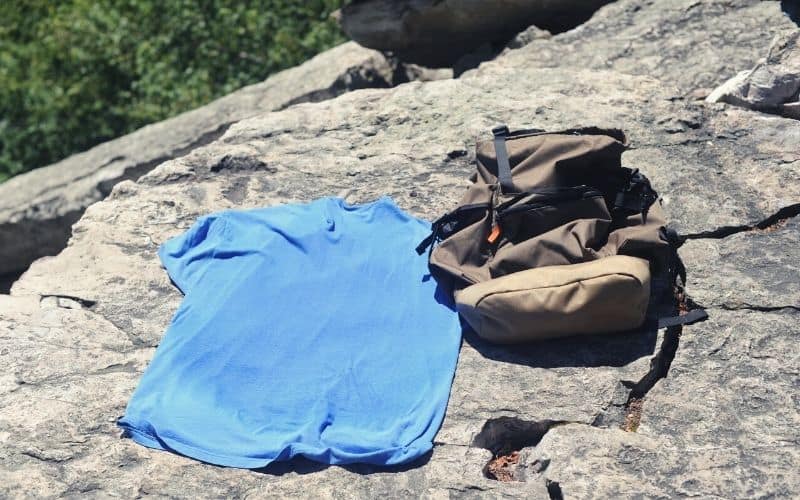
<point>677,269</point>
<point>692,316</point>
<point>503,166</point>
<point>427,242</point>
<point>430,240</point>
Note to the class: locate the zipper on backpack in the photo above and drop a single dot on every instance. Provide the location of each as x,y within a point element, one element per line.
<point>559,195</point>
<point>436,226</point>
<point>532,132</point>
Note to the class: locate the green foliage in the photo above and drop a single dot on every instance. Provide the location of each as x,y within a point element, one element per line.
<point>75,73</point>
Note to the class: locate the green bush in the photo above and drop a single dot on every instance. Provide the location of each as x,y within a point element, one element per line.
<point>75,73</point>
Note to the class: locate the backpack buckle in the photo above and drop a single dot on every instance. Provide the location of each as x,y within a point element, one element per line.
<point>637,196</point>
<point>500,130</point>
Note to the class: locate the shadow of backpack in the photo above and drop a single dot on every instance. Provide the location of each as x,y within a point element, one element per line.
<point>556,238</point>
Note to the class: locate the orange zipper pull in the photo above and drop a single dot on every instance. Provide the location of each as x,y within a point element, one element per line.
<point>494,234</point>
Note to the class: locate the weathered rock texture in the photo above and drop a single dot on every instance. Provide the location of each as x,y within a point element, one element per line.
<point>439,32</point>
<point>689,43</point>
<point>764,264</point>
<point>37,209</point>
<point>773,85</point>
<point>710,410</point>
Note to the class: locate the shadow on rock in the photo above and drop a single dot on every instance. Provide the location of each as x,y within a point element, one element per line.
<point>302,466</point>
<point>792,9</point>
<point>7,280</point>
<point>616,349</point>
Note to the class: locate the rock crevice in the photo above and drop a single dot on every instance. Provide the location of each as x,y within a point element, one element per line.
<point>771,223</point>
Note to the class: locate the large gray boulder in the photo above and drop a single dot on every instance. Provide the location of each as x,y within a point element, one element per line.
<point>439,32</point>
<point>38,208</point>
<point>708,410</point>
<point>102,305</point>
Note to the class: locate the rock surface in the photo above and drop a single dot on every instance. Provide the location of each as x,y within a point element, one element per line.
<point>439,32</point>
<point>709,410</point>
<point>691,44</point>
<point>764,264</point>
<point>773,85</point>
<point>722,425</point>
<point>38,208</point>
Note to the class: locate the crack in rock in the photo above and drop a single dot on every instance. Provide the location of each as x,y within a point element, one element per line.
<point>771,223</point>
<point>466,489</point>
<point>626,415</point>
<point>505,437</point>
<point>751,307</point>
<point>554,490</point>
<point>355,78</point>
<point>659,369</point>
<point>633,415</point>
<point>659,365</point>
<point>127,367</point>
<point>66,301</point>
<point>506,434</point>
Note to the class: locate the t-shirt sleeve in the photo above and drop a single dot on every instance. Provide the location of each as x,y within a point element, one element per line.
<point>188,256</point>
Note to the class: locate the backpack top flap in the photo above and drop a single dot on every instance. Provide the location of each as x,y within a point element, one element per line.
<point>540,159</point>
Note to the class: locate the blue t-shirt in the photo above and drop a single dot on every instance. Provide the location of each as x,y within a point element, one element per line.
<point>306,329</point>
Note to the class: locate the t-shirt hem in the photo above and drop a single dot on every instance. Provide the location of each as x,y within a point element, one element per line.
<point>146,439</point>
<point>166,444</point>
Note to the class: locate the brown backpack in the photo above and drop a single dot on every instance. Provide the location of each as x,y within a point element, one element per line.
<point>553,238</point>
